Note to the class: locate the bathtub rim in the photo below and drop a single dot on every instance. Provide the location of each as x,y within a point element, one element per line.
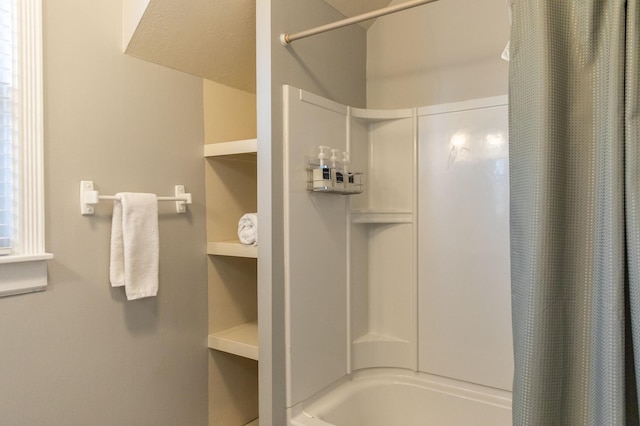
<point>359,379</point>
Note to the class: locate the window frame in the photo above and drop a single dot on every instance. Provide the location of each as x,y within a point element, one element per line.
<point>26,270</point>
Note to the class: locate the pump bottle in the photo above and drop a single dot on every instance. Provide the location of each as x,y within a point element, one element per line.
<point>322,173</point>
<point>349,181</point>
<point>337,178</point>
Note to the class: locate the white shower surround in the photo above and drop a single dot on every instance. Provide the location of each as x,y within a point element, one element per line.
<point>370,320</point>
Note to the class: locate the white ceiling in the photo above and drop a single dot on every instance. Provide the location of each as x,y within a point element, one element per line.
<point>213,39</point>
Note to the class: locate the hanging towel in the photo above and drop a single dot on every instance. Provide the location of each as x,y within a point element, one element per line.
<point>248,229</point>
<point>135,244</point>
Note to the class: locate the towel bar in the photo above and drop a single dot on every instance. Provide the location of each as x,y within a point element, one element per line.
<point>89,197</point>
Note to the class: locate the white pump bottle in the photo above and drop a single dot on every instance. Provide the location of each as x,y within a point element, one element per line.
<point>322,173</point>
<point>337,178</point>
<point>348,177</point>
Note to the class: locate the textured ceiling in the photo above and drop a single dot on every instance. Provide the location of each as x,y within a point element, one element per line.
<point>213,39</point>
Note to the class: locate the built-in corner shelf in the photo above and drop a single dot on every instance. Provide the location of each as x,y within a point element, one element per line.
<point>381,216</point>
<point>241,150</point>
<point>231,248</point>
<point>256,422</point>
<point>241,340</point>
<point>373,349</point>
<point>376,337</point>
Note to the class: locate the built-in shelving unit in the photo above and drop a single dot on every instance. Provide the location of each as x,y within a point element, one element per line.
<point>229,109</point>
<point>233,328</point>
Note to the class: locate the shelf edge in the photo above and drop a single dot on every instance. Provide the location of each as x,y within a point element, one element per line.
<point>231,248</point>
<point>241,340</point>
<point>381,217</point>
<point>245,146</point>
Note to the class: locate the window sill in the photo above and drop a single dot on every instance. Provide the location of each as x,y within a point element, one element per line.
<point>15,258</point>
<point>21,274</point>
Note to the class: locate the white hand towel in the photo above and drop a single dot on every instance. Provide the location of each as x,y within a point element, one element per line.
<point>248,229</point>
<point>135,244</point>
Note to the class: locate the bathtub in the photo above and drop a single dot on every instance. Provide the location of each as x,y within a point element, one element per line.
<point>390,397</point>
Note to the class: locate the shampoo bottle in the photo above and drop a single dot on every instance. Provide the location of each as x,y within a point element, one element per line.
<point>349,181</point>
<point>337,177</point>
<point>322,173</point>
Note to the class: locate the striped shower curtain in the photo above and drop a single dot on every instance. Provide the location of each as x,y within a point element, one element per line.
<point>575,211</point>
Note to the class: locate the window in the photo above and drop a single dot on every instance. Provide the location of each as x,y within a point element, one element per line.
<point>22,256</point>
<point>8,54</point>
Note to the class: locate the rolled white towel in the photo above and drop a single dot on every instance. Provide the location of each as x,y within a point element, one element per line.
<point>248,229</point>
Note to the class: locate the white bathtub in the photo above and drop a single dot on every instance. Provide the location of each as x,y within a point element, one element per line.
<point>393,397</point>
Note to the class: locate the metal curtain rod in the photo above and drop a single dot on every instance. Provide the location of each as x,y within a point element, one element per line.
<point>286,39</point>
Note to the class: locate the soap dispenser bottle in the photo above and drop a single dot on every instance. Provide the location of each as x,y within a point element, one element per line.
<point>337,177</point>
<point>349,181</point>
<point>322,173</point>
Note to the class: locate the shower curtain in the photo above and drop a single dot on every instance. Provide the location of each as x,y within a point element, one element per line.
<point>575,211</point>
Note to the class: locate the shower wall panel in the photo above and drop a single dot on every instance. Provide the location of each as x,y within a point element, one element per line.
<point>315,249</point>
<point>464,290</point>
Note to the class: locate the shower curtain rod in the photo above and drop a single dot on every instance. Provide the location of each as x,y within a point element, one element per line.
<point>286,39</point>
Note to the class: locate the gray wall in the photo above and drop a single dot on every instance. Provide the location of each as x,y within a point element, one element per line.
<point>332,65</point>
<point>447,51</point>
<point>79,353</point>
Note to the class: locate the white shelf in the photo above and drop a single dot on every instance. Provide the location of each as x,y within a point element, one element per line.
<point>375,337</point>
<point>243,149</point>
<point>374,350</point>
<point>381,216</point>
<point>241,340</point>
<point>231,248</point>
<point>354,191</point>
<point>381,114</point>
